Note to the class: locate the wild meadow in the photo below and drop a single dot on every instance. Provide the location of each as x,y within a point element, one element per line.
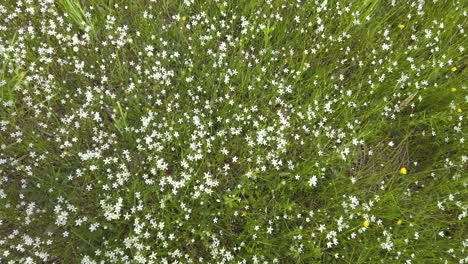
<point>224,131</point>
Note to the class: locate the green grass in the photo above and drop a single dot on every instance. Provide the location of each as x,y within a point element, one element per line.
<point>233,133</point>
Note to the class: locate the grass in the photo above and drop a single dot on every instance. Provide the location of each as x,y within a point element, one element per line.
<point>228,132</point>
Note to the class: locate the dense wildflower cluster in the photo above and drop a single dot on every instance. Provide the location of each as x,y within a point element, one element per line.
<point>232,131</point>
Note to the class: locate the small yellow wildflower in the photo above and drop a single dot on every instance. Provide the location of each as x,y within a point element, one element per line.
<point>401,26</point>
<point>399,222</point>
<point>184,18</point>
<point>366,224</point>
<point>403,171</point>
<point>459,110</point>
<point>453,89</point>
<point>453,68</point>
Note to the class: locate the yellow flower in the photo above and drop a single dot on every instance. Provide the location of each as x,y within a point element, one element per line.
<point>401,26</point>
<point>459,110</point>
<point>453,89</point>
<point>184,18</point>
<point>366,224</point>
<point>403,171</point>
<point>453,68</point>
<point>399,222</point>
